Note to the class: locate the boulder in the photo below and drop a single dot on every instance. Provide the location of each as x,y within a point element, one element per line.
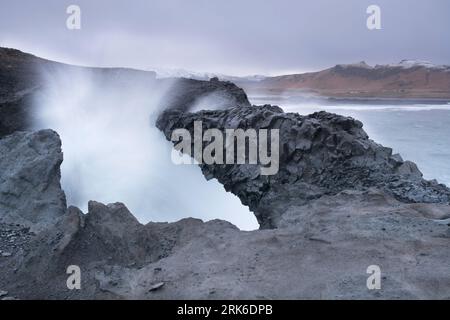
<point>30,189</point>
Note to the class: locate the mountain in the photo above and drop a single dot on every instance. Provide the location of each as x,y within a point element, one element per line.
<point>408,79</point>
<point>319,154</point>
<point>188,74</point>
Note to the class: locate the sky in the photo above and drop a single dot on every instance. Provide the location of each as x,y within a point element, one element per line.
<point>235,37</point>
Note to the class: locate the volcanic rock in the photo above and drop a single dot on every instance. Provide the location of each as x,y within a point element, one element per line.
<point>320,249</point>
<point>320,154</point>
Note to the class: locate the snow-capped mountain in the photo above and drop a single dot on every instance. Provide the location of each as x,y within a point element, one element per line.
<point>406,64</point>
<point>182,73</point>
<point>419,63</point>
<point>406,79</point>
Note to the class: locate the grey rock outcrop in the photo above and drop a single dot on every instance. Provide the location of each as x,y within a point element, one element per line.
<point>320,250</point>
<point>30,190</point>
<point>320,154</point>
<point>323,257</point>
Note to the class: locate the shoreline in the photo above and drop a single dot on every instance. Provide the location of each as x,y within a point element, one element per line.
<point>346,101</point>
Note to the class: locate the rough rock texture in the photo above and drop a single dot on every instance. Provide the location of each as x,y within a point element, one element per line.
<point>320,154</point>
<point>18,73</point>
<point>321,249</point>
<point>15,115</point>
<point>324,257</point>
<point>19,79</point>
<point>30,190</point>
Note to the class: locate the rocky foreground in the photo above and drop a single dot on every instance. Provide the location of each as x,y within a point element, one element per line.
<point>339,204</point>
<point>315,245</point>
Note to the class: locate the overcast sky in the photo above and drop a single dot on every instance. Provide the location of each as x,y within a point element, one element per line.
<point>232,37</point>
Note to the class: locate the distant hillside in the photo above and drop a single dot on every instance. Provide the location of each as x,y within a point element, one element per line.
<point>407,79</point>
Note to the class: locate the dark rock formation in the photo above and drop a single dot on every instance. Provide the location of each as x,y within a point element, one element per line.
<point>320,154</point>
<point>321,250</point>
<point>187,92</point>
<point>15,115</point>
<point>19,79</point>
<point>18,73</point>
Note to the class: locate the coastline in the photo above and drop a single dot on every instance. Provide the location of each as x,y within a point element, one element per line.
<point>323,100</point>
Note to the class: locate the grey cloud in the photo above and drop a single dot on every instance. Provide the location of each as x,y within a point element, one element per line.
<point>234,37</point>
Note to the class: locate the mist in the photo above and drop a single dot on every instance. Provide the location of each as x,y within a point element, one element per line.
<point>114,153</point>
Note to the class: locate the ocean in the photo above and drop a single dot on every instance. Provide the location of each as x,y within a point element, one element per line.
<point>418,132</point>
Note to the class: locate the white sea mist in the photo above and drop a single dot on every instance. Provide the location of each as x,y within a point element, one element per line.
<point>114,153</point>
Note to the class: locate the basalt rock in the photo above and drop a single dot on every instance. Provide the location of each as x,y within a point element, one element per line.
<point>188,93</point>
<point>320,154</point>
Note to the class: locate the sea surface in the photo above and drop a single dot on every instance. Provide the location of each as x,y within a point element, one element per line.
<point>419,132</point>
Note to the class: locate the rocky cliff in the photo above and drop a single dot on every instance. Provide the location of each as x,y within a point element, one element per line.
<point>320,154</point>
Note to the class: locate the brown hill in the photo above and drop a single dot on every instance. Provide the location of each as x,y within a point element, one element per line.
<point>408,79</point>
